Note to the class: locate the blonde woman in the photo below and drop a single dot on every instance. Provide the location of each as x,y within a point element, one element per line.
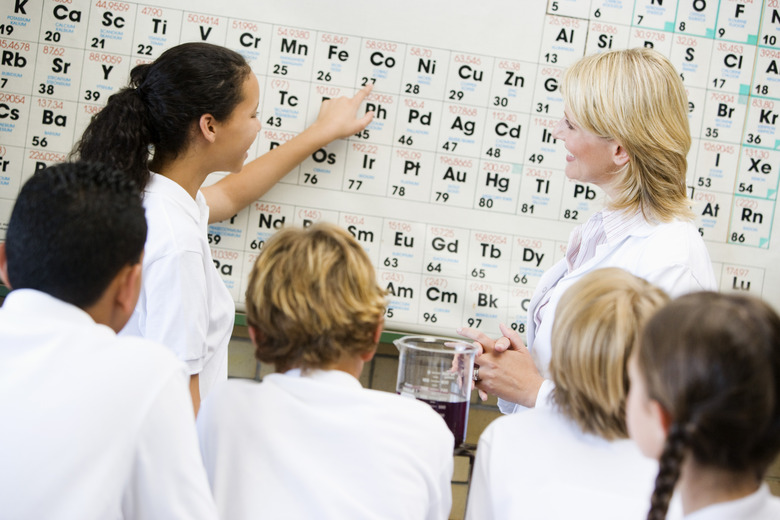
<point>625,129</point>
<point>309,441</point>
<point>574,459</point>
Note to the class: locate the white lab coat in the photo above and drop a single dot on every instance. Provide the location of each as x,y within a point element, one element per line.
<point>671,255</point>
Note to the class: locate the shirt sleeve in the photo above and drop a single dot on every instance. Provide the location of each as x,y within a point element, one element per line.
<point>168,479</point>
<point>176,307</point>
<point>678,279</point>
<point>508,407</point>
<point>544,397</point>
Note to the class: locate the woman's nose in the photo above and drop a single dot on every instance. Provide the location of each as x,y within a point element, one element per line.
<point>557,132</point>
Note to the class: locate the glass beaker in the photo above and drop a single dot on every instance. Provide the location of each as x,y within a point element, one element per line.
<point>438,371</point>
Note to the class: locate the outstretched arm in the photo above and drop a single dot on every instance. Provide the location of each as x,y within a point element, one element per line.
<point>337,119</point>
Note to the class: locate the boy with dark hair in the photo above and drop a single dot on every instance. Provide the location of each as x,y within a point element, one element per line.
<point>94,426</point>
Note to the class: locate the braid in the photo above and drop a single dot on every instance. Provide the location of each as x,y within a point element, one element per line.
<point>711,361</point>
<point>668,471</point>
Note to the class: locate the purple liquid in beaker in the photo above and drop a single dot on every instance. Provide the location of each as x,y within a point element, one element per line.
<point>456,415</point>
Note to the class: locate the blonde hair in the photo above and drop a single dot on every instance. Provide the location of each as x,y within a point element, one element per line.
<point>313,298</point>
<point>636,97</point>
<point>598,321</point>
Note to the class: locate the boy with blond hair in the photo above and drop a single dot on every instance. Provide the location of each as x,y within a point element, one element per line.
<point>309,441</point>
<point>577,447</point>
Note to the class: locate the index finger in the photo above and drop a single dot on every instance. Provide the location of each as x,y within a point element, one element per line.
<point>478,336</point>
<point>503,343</point>
<point>361,94</point>
<point>512,335</point>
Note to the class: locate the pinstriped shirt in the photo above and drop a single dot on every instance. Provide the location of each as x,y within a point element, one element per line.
<point>606,226</point>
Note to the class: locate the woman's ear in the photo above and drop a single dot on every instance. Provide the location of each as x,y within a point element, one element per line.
<point>620,155</point>
<point>207,125</point>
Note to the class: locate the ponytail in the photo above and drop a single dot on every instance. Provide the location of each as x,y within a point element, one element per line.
<point>160,106</point>
<point>119,136</point>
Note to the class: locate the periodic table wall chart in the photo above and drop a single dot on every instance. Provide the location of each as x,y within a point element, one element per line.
<point>456,190</point>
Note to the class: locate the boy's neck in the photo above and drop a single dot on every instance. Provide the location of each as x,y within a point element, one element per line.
<point>352,366</point>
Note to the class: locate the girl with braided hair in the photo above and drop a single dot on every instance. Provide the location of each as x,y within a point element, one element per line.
<point>705,401</point>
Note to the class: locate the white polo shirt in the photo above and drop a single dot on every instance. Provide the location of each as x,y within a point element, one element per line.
<point>321,446</point>
<point>539,464</point>
<point>92,426</point>
<point>184,303</point>
<point>760,505</point>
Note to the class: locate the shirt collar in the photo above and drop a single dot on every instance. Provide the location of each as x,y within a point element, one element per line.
<point>620,224</point>
<point>329,377</point>
<point>745,507</point>
<point>195,208</point>
<point>29,302</point>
